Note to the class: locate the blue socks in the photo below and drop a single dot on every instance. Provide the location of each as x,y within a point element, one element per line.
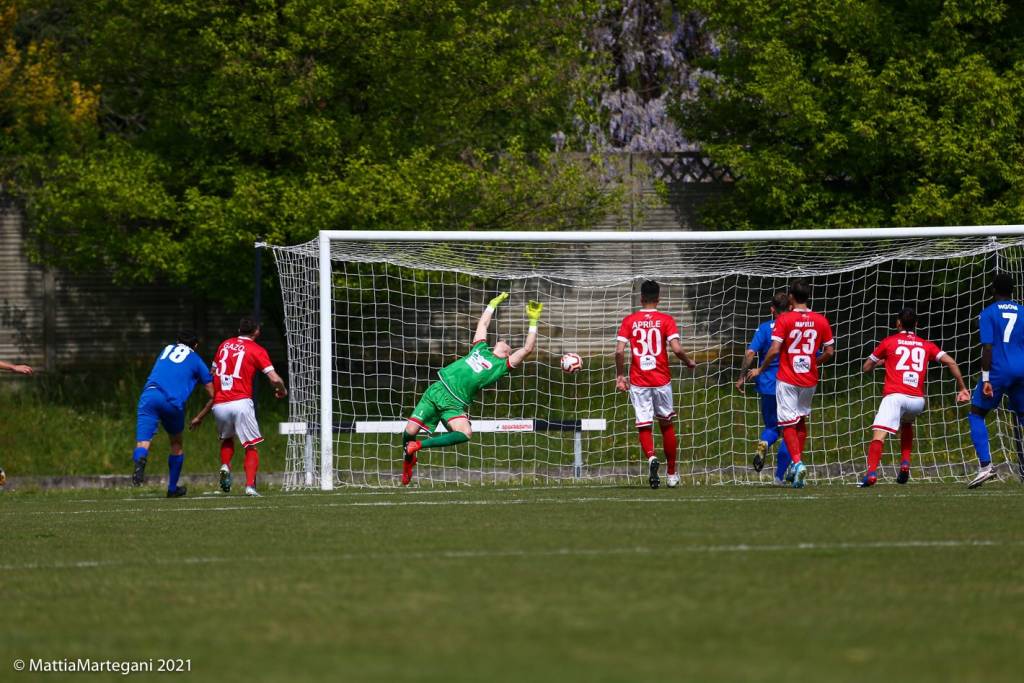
<point>139,453</point>
<point>174,463</point>
<point>979,436</point>
<point>782,461</point>
<point>770,434</point>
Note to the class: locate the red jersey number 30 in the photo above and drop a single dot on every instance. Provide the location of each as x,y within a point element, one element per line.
<point>647,347</point>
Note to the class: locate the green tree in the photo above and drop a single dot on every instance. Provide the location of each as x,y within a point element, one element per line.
<point>864,113</point>
<point>41,109</point>
<point>226,123</point>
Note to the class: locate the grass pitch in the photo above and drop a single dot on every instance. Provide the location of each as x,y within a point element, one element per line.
<point>917,583</point>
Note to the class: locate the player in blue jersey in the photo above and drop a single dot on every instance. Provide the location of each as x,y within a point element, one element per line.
<point>1001,333</point>
<point>765,385</point>
<point>174,375</point>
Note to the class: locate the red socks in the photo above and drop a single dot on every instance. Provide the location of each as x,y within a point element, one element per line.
<point>793,442</point>
<point>801,431</point>
<point>252,463</point>
<point>646,441</point>
<point>668,440</point>
<point>906,441</point>
<point>227,451</point>
<point>874,455</point>
<point>671,444</point>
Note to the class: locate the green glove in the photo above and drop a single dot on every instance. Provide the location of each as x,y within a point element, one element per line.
<point>496,301</point>
<point>533,309</point>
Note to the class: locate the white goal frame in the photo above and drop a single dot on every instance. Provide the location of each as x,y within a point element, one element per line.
<point>326,237</point>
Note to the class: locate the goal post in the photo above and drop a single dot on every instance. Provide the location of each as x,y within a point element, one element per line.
<point>370,317</point>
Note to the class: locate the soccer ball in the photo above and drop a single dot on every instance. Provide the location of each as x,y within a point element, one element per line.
<point>572,363</point>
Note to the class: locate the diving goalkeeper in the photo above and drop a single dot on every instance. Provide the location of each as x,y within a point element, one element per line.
<point>448,399</point>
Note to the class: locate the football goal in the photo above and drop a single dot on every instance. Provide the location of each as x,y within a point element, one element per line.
<point>372,316</point>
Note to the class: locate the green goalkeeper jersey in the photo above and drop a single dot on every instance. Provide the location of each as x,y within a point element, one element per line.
<point>468,375</point>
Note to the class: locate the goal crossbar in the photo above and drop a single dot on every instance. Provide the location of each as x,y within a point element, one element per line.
<point>837,234</point>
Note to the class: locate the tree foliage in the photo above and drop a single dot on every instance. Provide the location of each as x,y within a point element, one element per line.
<point>218,124</point>
<point>864,113</point>
<point>41,109</point>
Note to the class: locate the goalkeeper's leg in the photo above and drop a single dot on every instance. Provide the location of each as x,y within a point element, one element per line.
<point>460,432</point>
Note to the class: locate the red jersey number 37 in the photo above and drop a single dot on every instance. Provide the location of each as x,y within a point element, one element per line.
<point>229,365</point>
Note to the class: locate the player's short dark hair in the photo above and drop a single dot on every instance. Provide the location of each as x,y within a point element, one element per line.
<point>188,338</point>
<point>800,290</point>
<point>247,325</point>
<point>1002,284</point>
<point>780,302</point>
<point>908,318</point>
<point>649,291</point>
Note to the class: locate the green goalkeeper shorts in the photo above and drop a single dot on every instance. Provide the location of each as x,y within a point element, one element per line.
<point>437,404</point>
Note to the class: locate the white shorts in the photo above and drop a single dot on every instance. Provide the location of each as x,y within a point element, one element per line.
<point>897,409</point>
<point>238,418</point>
<point>793,402</point>
<point>651,401</point>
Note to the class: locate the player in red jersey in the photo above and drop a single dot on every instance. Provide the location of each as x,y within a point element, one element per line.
<point>649,333</point>
<point>798,336</point>
<point>905,357</point>
<point>234,366</point>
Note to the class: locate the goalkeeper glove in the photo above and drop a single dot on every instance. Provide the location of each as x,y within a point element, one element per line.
<point>496,301</point>
<point>533,309</point>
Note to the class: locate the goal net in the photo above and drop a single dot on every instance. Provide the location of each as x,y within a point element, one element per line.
<point>372,317</point>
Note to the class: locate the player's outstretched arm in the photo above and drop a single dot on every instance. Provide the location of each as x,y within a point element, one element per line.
<point>677,348</point>
<point>275,381</point>
<point>18,369</point>
<point>198,419</point>
<point>533,310</point>
<point>773,353</point>
<point>869,365</point>
<point>986,367</point>
<point>485,319</point>
<point>827,353</point>
<point>962,393</point>
<point>745,364</point>
<point>620,367</point>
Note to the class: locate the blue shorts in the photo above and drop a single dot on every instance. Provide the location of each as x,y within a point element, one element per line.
<point>769,411</point>
<point>1013,391</point>
<point>155,408</point>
